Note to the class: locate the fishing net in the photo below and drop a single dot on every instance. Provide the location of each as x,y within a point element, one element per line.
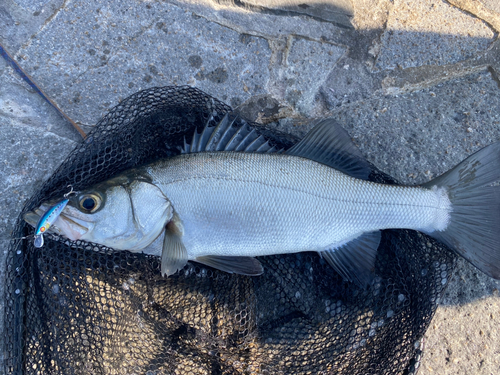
<point>80,308</point>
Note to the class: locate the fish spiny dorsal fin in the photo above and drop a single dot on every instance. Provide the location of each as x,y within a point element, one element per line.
<point>194,141</point>
<point>255,144</point>
<point>185,149</point>
<point>227,137</point>
<point>221,134</point>
<point>204,137</point>
<point>328,143</point>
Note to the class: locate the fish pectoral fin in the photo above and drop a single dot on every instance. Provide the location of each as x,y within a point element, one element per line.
<point>174,255</point>
<point>241,265</point>
<point>355,260</point>
<point>328,143</point>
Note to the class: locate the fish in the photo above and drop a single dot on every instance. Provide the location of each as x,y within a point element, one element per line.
<point>229,196</point>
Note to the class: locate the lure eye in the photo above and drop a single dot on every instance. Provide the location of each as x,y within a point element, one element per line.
<point>90,203</point>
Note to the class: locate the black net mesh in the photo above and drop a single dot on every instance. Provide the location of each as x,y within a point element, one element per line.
<point>78,308</point>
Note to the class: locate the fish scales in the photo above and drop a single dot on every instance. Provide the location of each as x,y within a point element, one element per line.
<point>261,204</point>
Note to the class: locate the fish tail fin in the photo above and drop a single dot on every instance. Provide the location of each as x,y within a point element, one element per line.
<point>473,228</point>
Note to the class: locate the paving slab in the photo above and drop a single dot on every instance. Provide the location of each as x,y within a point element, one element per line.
<point>436,32</point>
<point>491,4</point>
<point>335,11</point>
<point>417,136</point>
<point>415,84</point>
<point>28,156</point>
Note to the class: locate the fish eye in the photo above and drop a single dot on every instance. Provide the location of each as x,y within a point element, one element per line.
<point>90,203</point>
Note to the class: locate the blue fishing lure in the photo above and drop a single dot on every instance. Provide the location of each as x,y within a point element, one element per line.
<point>47,220</point>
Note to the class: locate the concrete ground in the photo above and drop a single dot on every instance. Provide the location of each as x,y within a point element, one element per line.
<point>416,84</point>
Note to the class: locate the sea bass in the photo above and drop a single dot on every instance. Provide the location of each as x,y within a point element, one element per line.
<point>229,197</point>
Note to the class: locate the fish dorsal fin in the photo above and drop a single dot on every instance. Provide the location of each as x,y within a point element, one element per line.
<point>355,260</point>
<point>241,265</point>
<point>174,255</point>
<point>226,136</point>
<point>328,143</point>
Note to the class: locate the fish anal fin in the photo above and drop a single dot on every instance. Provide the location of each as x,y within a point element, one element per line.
<point>240,265</point>
<point>328,143</point>
<point>355,260</point>
<point>174,254</point>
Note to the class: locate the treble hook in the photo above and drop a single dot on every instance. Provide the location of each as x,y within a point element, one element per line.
<point>71,192</point>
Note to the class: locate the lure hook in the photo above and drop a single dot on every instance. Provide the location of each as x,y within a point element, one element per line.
<point>70,193</point>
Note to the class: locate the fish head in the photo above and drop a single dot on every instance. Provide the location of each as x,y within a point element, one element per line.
<point>124,213</point>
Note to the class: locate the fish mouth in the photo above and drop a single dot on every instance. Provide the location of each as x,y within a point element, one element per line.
<point>71,223</point>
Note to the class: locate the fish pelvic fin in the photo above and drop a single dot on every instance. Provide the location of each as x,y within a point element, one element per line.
<point>174,255</point>
<point>355,260</point>
<point>240,265</point>
<point>473,227</point>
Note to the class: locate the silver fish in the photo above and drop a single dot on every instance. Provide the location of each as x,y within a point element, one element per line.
<point>230,197</point>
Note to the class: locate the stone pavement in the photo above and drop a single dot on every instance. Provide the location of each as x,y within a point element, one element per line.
<point>415,83</point>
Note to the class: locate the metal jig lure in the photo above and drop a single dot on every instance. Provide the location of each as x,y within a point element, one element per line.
<point>50,216</point>
<point>48,219</point>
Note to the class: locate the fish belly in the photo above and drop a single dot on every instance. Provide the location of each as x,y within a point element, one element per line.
<point>241,204</point>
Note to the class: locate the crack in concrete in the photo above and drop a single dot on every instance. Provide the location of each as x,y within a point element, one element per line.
<point>20,83</point>
<point>34,127</point>
<point>287,50</point>
<point>286,13</point>
<point>377,95</point>
<point>280,48</point>
<point>373,51</point>
<point>441,74</point>
<point>494,75</point>
<point>143,30</point>
<point>408,80</point>
<point>477,10</point>
<point>417,78</point>
<point>45,24</point>
<point>460,5</point>
<point>241,30</point>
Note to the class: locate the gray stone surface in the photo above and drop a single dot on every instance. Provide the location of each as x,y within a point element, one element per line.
<point>488,10</point>
<point>289,81</point>
<point>414,82</point>
<point>28,156</point>
<point>491,4</point>
<point>114,58</point>
<point>28,108</point>
<point>336,11</point>
<point>464,335</point>
<point>20,21</point>
<point>417,136</point>
<point>434,40</point>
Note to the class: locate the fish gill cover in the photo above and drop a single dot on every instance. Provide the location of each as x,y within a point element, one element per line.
<point>80,308</point>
